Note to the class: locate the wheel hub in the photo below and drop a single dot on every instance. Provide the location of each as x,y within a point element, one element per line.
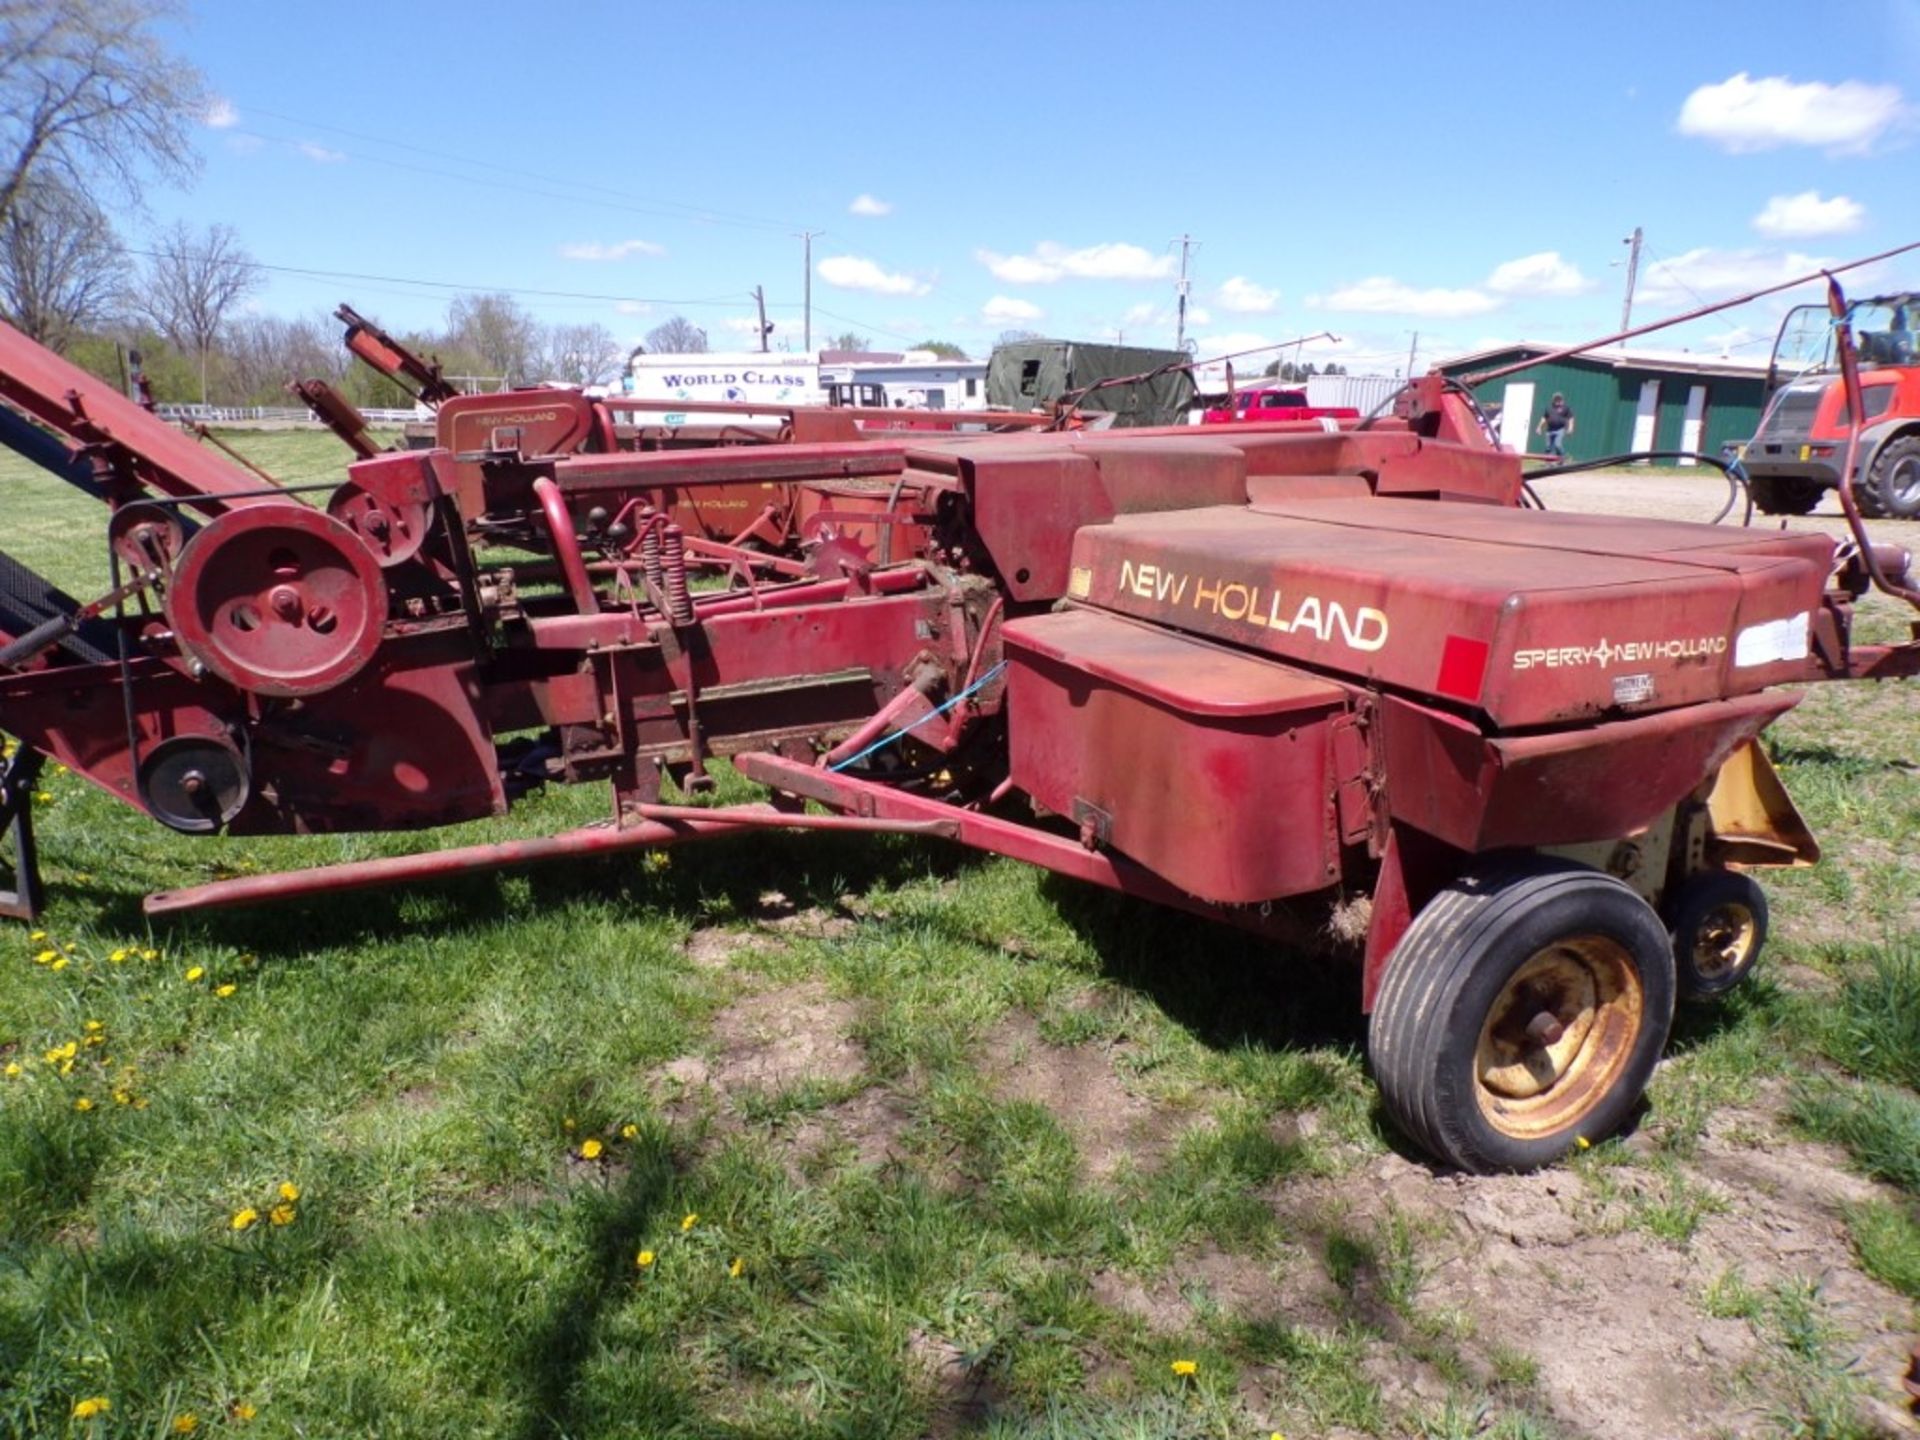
<point>1724,940</point>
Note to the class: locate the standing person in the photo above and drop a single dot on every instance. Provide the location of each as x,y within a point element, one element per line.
<point>1556,425</point>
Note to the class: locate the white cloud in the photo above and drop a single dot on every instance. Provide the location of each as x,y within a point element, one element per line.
<point>220,115</point>
<point>320,154</point>
<point>1383,295</point>
<point>1542,274</point>
<point>1050,262</point>
<point>632,307</point>
<point>1708,274</point>
<point>854,272</point>
<point>864,204</point>
<point>1788,216</point>
<point>1743,114</point>
<point>619,250</point>
<point>1005,309</point>
<point>1243,297</point>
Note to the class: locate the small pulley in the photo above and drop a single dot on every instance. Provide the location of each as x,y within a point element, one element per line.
<point>194,783</point>
<point>146,537</point>
<point>279,600</point>
<point>393,527</point>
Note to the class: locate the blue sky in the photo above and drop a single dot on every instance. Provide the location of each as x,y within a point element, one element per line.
<point>1467,173</point>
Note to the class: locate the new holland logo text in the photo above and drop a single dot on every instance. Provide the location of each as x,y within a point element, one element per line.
<point>1626,652</point>
<point>1361,628</point>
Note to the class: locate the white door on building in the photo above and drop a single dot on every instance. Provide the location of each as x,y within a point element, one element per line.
<point>1646,417</point>
<point>1516,416</point>
<point>1693,426</point>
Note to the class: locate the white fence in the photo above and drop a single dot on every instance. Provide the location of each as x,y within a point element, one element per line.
<point>271,415</point>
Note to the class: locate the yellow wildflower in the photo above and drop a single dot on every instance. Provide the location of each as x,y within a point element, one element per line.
<point>83,1104</point>
<point>1186,1367</point>
<point>643,1259</point>
<point>692,1219</point>
<point>66,1067</point>
<point>1583,1142</point>
<point>91,1406</point>
<point>289,1191</point>
<point>93,1040</point>
<point>567,1124</point>
<point>245,1219</point>
<point>119,957</point>
<point>737,1268</point>
<point>590,1149</point>
<point>195,974</point>
<point>41,797</point>
<point>223,991</point>
<point>149,954</point>
<point>59,964</point>
<point>13,1069</point>
<point>241,1410</point>
<point>58,768</point>
<point>36,937</point>
<point>62,1052</point>
<point>629,1132</point>
<point>186,1423</point>
<point>46,957</point>
<point>93,1027</point>
<point>122,1097</point>
<point>282,1215</point>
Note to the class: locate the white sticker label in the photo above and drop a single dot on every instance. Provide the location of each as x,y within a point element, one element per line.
<point>1774,642</point>
<point>1632,689</point>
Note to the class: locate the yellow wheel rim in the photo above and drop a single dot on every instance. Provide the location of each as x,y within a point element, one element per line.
<point>1558,1036</point>
<point>1723,941</point>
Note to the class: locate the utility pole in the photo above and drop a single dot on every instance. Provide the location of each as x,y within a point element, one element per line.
<point>760,300</point>
<point>1187,243</point>
<point>1632,242</point>
<point>1413,351</point>
<point>807,237</point>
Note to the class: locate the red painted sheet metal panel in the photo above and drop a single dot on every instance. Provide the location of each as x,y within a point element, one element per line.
<point>1480,792</point>
<point>1209,768</point>
<point>1578,623</point>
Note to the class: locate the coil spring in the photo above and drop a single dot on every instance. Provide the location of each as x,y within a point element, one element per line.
<point>650,551</point>
<point>673,558</point>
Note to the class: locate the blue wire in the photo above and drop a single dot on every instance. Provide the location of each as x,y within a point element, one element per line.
<point>887,740</point>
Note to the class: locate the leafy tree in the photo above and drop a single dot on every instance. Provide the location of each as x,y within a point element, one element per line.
<point>263,352</point>
<point>945,349</point>
<point>848,340</point>
<point>192,284</point>
<point>61,269</point>
<point>677,335</point>
<point>89,97</point>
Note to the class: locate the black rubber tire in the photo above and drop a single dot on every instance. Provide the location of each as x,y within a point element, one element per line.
<point>1785,494</point>
<point>1702,900</point>
<point>1892,486</point>
<point>1453,966</point>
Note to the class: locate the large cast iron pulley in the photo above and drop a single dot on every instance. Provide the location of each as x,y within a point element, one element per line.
<point>279,600</point>
<point>194,783</point>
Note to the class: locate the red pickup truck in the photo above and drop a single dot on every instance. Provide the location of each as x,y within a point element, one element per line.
<point>1274,402</point>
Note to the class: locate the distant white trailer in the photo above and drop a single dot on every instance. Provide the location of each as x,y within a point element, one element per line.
<point>917,381</point>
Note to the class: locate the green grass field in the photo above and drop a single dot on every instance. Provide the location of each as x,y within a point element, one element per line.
<point>860,1137</point>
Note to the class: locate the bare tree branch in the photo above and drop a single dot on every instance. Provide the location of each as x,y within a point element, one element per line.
<point>61,269</point>
<point>192,284</point>
<point>677,336</point>
<point>584,354</point>
<point>90,98</point>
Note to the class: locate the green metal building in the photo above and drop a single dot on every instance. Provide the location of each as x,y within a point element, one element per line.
<point>1622,399</point>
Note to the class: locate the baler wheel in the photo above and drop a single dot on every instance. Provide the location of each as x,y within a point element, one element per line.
<point>1718,921</point>
<point>1523,1012</point>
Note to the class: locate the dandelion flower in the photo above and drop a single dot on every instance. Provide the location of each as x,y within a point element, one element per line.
<point>186,1423</point>
<point>629,1132</point>
<point>13,1069</point>
<point>282,1215</point>
<point>93,1027</point>
<point>41,797</point>
<point>1186,1367</point>
<point>83,1104</point>
<point>195,974</point>
<point>119,957</point>
<point>245,1219</point>
<point>46,957</point>
<point>91,1406</point>
<point>223,991</point>
<point>644,1259</point>
<point>36,937</point>
<point>590,1149</point>
<point>289,1191</point>
<point>241,1410</point>
<point>149,954</point>
<point>692,1219</point>
<point>1583,1142</point>
<point>122,1097</point>
<point>59,964</point>
<point>737,1268</point>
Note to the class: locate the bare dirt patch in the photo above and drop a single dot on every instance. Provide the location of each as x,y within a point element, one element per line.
<point>1108,1123</point>
<point>776,1039</point>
